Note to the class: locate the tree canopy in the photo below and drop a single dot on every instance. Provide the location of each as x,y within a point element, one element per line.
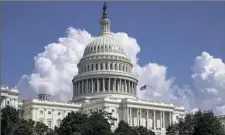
<point>12,125</point>
<point>200,123</point>
<point>97,123</point>
<point>10,118</point>
<point>125,129</point>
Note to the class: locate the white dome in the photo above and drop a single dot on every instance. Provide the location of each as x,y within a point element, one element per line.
<point>104,44</point>
<point>104,69</point>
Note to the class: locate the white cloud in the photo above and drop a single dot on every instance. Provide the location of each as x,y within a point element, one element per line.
<point>209,81</point>
<point>56,66</point>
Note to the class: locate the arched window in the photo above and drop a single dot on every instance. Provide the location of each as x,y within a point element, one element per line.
<point>58,122</point>
<point>41,120</point>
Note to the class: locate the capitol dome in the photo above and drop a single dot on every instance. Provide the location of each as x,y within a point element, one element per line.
<point>104,44</point>
<point>104,69</point>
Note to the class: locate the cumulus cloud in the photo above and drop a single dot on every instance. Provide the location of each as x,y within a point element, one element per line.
<point>209,81</point>
<point>56,66</point>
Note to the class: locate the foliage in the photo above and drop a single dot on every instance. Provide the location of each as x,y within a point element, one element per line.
<point>12,125</point>
<point>30,127</point>
<point>200,123</point>
<point>97,123</point>
<point>10,118</point>
<point>125,129</point>
<point>143,131</point>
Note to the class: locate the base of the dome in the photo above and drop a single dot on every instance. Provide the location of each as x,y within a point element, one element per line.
<point>94,96</point>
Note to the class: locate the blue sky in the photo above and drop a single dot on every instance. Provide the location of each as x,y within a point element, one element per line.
<point>169,33</point>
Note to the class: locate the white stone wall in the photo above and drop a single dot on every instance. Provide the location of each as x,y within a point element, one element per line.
<point>9,96</point>
<point>48,112</point>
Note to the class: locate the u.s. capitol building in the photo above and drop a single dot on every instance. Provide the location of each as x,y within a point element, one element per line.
<point>104,80</point>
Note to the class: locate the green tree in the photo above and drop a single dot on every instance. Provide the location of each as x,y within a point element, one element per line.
<point>143,131</point>
<point>30,127</point>
<point>10,118</point>
<point>200,123</point>
<point>12,125</point>
<point>100,123</point>
<point>96,123</point>
<point>73,122</point>
<point>123,129</point>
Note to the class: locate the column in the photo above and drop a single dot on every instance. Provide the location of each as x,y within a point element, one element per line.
<point>164,120</point>
<point>36,114</point>
<point>137,117</point>
<point>103,84</point>
<point>114,86</point>
<point>92,86</point>
<point>74,90</point>
<point>44,116</point>
<point>154,121</point>
<point>33,113</point>
<point>53,121</point>
<point>128,87</point>
<point>131,88</point>
<point>170,120</point>
<point>109,85</point>
<point>147,120</point>
<point>125,86</point>
<point>161,120</point>
<point>120,86</point>
<point>81,84</point>
<point>128,115</point>
<point>140,116</point>
<point>78,85</point>
<point>97,85</point>
<point>87,87</point>
<point>135,92</point>
<point>131,118</point>
<point>84,86</point>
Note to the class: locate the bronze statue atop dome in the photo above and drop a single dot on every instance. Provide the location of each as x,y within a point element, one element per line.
<point>104,11</point>
<point>104,7</point>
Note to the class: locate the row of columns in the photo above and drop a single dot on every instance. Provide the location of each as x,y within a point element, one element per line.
<point>104,85</point>
<point>131,115</point>
<point>105,66</point>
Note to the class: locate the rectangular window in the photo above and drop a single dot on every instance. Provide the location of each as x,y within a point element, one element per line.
<point>49,123</point>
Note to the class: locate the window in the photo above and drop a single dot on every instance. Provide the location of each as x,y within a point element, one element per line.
<point>7,102</point>
<point>96,67</point>
<point>113,110</point>
<point>59,113</point>
<point>41,120</point>
<point>106,66</point>
<point>41,112</point>
<point>111,66</point>
<point>101,66</point>
<point>49,123</point>
<point>58,122</point>
<point>49,112</point>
